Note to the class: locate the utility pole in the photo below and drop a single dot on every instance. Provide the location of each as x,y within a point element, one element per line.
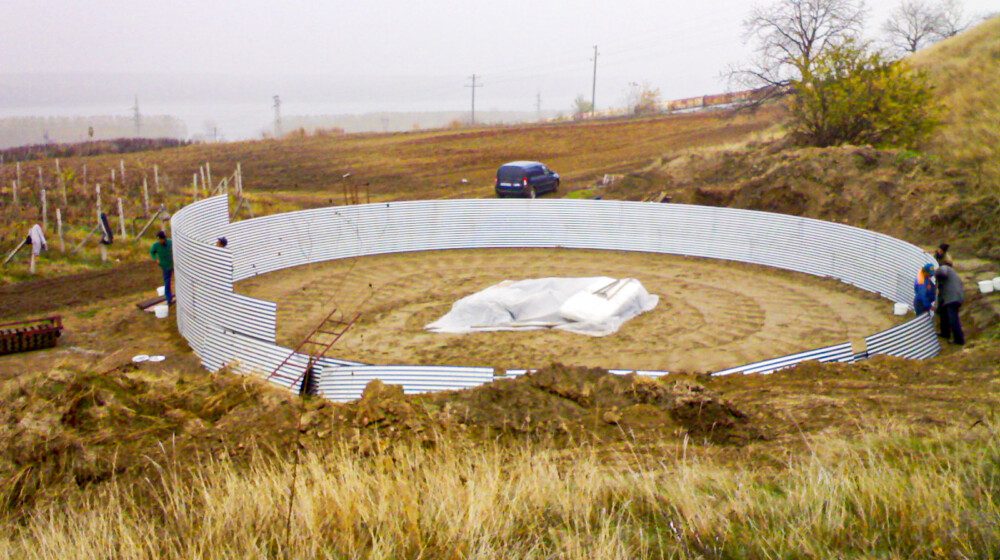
<point>538,106</point>
<point>473,87</point>
<point>137,117</point>
<point>277,116</point>
<point>593,87</point>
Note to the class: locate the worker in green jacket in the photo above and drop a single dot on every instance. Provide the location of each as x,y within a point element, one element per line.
<point>162,252</point>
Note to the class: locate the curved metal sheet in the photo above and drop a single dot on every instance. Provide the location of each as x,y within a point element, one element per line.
<point>223,327</point>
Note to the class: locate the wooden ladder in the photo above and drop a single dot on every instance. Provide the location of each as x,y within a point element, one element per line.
<point>316,345</point>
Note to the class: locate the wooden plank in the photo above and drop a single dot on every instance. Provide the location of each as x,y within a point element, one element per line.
<point>147,303</point>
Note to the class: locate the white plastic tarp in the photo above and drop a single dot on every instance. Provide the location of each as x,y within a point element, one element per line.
<point>596,306</point>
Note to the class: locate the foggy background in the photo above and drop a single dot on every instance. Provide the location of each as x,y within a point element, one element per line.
<point>215,66</point>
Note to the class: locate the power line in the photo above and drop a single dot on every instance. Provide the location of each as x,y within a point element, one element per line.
<point>277,116</point>
<point>593,88</point>
<point>137,117</point>
<point>473,86</point>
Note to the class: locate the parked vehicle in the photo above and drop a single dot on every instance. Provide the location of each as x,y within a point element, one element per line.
<point>525,178</point>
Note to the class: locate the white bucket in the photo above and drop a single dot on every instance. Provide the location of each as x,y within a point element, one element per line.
<point>996,283</point>
<point>161,311</point>
<point>986,286</point>
<point>900,309</point>
<point>161,291</point>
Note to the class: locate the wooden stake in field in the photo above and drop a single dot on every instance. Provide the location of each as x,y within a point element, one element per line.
<point>194,184</point>
<point>85,176</point>
<point>121,162</point>
<point>62,243</point>
<point>41,180</point>
<point>164,218</point>
<point>204,183</point>
<point>13,184</point>
<point>145,198</point>
<point>97,192</point>
<point>156,215</point>
<point>45,211</point>
<point>121,218</point>
<point>208,173</point>
<point>62,183</point>
<point>18,175</point>
<point>156,177</point>
<point>239,180</point>
<point>112,179</point>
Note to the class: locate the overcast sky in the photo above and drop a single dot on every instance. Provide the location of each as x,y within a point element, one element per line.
<point>391,54</point>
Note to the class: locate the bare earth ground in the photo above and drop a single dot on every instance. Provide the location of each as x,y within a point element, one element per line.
<point>712,314</point>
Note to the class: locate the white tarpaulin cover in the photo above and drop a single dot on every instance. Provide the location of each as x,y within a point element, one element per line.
<point>596,306</point>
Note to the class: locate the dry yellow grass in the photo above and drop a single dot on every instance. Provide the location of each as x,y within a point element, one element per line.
<point>966,73</point>
<point>891,493</point>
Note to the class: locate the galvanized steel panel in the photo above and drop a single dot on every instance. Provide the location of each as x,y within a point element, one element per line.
<point>224,327</point>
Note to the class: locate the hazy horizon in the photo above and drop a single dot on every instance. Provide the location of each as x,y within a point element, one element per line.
<point>222,62</point>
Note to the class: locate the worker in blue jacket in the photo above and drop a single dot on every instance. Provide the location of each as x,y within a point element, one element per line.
<point>924,290</point>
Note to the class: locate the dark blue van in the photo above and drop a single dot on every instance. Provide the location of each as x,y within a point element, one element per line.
<point>525,178</point>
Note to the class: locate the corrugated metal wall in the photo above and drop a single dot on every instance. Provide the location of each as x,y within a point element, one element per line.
<point>227,328</point>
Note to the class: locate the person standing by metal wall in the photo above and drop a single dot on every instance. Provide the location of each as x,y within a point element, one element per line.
<point>950,296</point>
<point>162,252</point>
<point>924,291</point>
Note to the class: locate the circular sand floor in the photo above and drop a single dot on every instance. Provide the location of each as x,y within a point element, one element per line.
<point>712,314</point>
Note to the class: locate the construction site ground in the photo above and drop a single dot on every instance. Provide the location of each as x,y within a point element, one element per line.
<point>712,314</point>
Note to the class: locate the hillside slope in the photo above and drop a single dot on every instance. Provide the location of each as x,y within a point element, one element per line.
<point>965,70</point>
<point>948,192</point>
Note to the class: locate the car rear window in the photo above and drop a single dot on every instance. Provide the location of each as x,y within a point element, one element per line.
<point>511,173</point>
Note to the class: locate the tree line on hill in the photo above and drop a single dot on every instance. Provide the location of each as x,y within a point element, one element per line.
<point>24,131</point>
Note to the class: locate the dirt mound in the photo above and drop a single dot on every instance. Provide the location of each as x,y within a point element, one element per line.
<point>559,400</point>
<point>71,427</point>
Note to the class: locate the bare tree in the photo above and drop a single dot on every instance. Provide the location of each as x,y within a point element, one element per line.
<point>789,34</point>
<point>912,25</point>
<point>917,23</point>
<point>951,19</point>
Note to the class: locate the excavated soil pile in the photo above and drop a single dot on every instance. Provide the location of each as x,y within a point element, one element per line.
<point>559,400</point>
<point>74,427</point>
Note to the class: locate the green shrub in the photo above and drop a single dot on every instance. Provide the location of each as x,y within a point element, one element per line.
<point>852,95</point>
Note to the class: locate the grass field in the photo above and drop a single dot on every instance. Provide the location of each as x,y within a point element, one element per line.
<point>869,497</point>
<point>309,171</point>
